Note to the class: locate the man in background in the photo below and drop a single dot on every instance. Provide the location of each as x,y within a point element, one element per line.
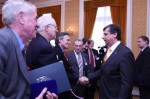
<point>20,18</point>
<point>85,44</point>
<point>142,64</point>
<point>79,63</point>
<point>95,65</point>
<point>40,52</point>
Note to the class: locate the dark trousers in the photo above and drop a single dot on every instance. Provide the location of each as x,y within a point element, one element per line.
<point>144,92</point>
<point>64,95</point>
<point>78,90</point>
<point>91,91</point>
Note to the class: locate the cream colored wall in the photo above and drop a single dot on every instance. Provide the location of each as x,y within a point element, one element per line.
<point>72,19</point>
<point>139,16</point>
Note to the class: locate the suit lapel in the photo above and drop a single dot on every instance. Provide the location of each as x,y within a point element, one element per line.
<point>84,60</point>
<point>75,61</point>
<point>141,53</point>
<point>20,58</point>
<point>112,56</point>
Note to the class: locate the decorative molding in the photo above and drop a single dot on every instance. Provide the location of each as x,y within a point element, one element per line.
<point>129,24</point>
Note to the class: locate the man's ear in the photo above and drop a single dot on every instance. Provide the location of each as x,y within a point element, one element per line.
<point>21,17</point>
<point>46,27</point>
<point>115,35</point>
<point>60,41</point>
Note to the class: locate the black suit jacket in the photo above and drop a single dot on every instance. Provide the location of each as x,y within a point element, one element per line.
<point>97,59</point>
<point>117,74</point>
<point>61,57</point>
<point>40,53</point>
<point>142,64</point>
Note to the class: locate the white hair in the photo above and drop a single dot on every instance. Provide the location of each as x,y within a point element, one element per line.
<point>12,8</point>
<point>43,21</point>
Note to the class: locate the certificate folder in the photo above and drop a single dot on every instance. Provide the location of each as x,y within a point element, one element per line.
<point>55,71</point>
<point>36,88</point>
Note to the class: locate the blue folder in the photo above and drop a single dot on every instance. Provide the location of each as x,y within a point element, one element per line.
<point>55,72</point>
<point>36,88</point>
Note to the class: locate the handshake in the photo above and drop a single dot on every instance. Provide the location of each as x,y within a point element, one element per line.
<point>84,81</point>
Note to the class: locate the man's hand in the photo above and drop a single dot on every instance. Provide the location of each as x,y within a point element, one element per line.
<point>48,95</point>
<point>83,80</point>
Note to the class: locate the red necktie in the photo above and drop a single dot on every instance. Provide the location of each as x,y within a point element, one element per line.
<point>65,55</point>
<point>91,58</point>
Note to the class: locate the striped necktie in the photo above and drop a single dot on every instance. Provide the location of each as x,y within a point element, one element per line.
<point>80,65</point>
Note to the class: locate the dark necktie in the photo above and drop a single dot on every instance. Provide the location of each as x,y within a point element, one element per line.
<point>23,53</point>
<point>92,58</point>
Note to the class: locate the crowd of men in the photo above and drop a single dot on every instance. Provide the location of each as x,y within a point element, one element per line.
<point>116,68</point>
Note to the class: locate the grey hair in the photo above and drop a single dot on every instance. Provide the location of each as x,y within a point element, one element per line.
<point>60,36</point>
<point>79,40</point>
<point>43,21</point>
<point>12,8</point>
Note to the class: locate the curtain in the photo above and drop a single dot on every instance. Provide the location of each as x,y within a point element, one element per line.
<point>118,14</point>
<point>1,23</point>
<point>89,16</point>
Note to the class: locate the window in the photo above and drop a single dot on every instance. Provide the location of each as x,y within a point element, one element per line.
<point>103,18</point>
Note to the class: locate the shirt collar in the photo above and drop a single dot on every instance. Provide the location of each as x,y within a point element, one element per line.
<point>143,48</point>
<point>113,47</point>
<point>76,53</point>
<point>19,40</point>
<point>61,48</point>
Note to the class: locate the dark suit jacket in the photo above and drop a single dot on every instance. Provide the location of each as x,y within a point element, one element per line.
<point>14,82</point>
<point>97,59</point>
<point>142,64</point>
<point>117,74</point>
<point>40,53</point>
<point>74,65</point>
<point>61,57</point>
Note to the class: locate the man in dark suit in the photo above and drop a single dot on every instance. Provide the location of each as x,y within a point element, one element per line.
<point>20,19</point>
<point>142,64</point>
<point>40,52</point>
<point>62,42</point>
<point>117,71</point>
<point>95,65</point>
<point>85,44</point>
<point>79,63</point>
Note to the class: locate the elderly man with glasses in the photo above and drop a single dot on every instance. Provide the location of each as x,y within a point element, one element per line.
<point>40,52</point>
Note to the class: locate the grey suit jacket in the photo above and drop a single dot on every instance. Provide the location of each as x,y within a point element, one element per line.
<point>74,65</point>
<point>14,83</point>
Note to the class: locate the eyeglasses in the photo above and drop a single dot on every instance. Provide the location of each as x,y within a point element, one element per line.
<point>53,25</point>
